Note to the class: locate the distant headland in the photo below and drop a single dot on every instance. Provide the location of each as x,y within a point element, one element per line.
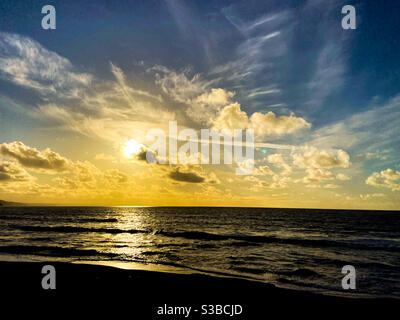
<point>4,203</point>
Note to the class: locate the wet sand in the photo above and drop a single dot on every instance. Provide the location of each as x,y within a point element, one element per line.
<point>99,290</point>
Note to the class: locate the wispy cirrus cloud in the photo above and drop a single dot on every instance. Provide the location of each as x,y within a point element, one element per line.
<point>370,135</point>
<point>255,57</point>
<point>328,75</point>
<point>329,66</point>
<point>110,110</point>
<point>26,63</point>
<point>127,90</point>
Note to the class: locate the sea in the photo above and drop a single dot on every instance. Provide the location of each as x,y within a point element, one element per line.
<point>303,249</point>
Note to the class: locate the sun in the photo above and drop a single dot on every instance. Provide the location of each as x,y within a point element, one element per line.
<point>132,147</point>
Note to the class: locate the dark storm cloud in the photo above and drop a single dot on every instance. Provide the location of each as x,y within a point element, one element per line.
<point>191,177</point>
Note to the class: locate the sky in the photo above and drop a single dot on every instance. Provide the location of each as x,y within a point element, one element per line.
<point>77,103</point>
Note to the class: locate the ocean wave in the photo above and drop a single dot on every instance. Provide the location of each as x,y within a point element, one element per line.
<point>79,220</point>
<point>96,220</point>
<point>195,235</point>
<point>249,270</point>
<point>360,264</point>
<point>302,272</point>
<point>70,229</point>
<point>54,251</point>
<point>13,218</point>
<point>248,240</point>
<point>244,240</point>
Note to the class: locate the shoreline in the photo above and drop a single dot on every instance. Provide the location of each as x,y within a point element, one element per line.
<point>147,290</point>
<point>130,266</point>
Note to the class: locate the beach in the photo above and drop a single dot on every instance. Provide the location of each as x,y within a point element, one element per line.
<point>190,263</point>
<point>146,293</point>
<point>293,248</point>
<point>184,159</point>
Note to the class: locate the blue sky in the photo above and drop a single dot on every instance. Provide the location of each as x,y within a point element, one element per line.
<point>205,35</point>
<point>273,56</point>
